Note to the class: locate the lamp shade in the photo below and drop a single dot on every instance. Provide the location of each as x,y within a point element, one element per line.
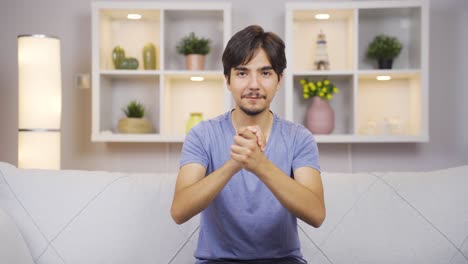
<point>40,101</point>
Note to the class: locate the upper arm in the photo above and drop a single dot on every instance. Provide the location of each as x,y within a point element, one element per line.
<point>189,174</point>
<point>311,179</point>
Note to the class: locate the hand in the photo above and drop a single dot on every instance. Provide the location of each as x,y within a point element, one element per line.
<point>261,139</point>
<point>246,149</point>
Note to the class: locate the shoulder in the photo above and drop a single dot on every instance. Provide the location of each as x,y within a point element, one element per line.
<point>292,130</point>
<point>211,123</point>
<point>207,129</point>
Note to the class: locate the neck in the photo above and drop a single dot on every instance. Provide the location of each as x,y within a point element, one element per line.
<point>264,120</point>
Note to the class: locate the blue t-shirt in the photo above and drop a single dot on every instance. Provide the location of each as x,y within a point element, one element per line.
<point>246,221</point>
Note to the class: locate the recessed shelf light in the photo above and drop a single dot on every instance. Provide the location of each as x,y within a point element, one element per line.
<point>322,16</point>
<point>197,78</point>
<point>134,16</point>
<point>383,78</point>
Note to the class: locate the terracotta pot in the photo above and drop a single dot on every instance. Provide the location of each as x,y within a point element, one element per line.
<point>195,62</point>
<point>134,126</point>
<point>320,116</point>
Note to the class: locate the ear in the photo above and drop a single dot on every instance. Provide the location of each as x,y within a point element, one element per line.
<point>280,82</point>
<point>226,80</point>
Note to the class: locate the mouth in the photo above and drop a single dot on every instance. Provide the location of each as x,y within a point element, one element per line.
<point>253,95</point>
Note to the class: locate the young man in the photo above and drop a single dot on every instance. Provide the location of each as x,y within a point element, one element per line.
<point>249,172</point>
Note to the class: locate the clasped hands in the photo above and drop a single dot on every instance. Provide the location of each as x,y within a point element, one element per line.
<point>249,145</point>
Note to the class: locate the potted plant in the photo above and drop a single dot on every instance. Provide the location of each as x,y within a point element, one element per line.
<point>320,116</point>
<point>384,48</point>
<point>134,121</point>
<point>195,49</point>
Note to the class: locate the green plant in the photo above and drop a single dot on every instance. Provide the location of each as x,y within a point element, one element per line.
<point>324,89</point>
<point>192,44</point>
<point>134,109</point>
<point>384,47</point>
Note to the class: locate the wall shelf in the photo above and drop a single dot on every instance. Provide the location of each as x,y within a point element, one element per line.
<point>366,110</point>
<point>167,92</point>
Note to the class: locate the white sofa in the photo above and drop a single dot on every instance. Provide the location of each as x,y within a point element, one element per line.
<point>96,217</point>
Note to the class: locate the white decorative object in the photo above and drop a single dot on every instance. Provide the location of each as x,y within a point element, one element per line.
<point>321,55</point>
<point>40,101</point>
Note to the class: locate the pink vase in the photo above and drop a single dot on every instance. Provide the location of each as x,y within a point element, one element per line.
<point>320,116</point>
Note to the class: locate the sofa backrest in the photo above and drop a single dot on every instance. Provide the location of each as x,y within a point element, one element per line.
<point>72,216</point>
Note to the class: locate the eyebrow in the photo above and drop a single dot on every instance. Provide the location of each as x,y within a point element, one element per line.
<point>242,68</point>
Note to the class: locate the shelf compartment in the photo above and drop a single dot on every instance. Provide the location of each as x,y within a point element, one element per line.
<point>389,108</point>
<point>339,30</point>
<point>129,73</point>
<point>345,138</point>
<point>117,137</point>
<point>115,29</point>
<point>117,91</point>
<point>179,23</point>
<point>183,96</point>
<point>402,23</point>
<point>341,102</point>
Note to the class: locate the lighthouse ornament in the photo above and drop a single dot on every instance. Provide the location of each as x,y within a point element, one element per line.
<point>321,56</point>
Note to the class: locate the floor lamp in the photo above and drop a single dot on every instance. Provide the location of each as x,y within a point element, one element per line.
<point>40,102</point>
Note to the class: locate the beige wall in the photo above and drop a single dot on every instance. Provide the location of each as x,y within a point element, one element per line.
<point>71,22</point>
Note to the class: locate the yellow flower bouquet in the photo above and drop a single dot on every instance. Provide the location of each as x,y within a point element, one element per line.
<point>324,89</point>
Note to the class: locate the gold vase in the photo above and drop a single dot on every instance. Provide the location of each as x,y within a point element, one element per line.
<point>194,119</point>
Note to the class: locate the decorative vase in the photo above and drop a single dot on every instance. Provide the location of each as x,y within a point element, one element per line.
<point>132,125</point>
<point>195,62</point>
<point>385,63</point>
<point>320,116</point>
<point>194,119</point>
<point>149,57</point>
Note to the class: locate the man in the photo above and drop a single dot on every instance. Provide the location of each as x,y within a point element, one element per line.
<point>249,172</point>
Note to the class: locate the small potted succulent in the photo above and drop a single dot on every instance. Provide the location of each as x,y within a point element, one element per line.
<point>134,122</point>
<point>384,49</point>
<point>195,49</point>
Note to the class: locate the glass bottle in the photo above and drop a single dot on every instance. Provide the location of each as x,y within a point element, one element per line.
<point>195,118</point>
<point>149,57</point>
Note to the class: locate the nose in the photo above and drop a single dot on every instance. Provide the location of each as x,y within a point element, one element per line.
<point>254,83</point>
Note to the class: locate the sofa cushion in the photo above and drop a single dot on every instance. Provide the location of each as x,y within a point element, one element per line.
<point>13,249</point>
<point>440,196</point>
<point>10,203</point>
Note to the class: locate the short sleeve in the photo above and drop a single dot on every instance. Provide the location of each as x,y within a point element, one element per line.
<point>193,150</point>
<point>305,150</point>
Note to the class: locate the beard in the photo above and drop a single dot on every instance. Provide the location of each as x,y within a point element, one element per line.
<point>251,112</point>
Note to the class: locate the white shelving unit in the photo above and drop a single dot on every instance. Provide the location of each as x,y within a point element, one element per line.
<point>167,92</point>
<point>365,107</point>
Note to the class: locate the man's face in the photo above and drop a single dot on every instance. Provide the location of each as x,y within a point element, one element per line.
<point>254,84</point>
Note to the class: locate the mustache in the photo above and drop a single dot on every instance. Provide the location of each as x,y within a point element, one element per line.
<point>254,94</point>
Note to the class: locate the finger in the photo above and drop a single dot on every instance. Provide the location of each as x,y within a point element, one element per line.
<point>238,150</point>
<point>241,141</point>
<point>246,133</point>
<point>254,129</point>
<point>261,140</point>
<point>237,157</point>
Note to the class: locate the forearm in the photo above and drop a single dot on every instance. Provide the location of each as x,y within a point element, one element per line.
<point>192,199</point>
<point>298,199</point>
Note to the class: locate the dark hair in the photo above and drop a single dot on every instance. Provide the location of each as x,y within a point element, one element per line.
<point>243,46</point>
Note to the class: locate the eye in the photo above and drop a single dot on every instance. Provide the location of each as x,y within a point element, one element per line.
<point>267,73</point>
<point>241,73</point>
